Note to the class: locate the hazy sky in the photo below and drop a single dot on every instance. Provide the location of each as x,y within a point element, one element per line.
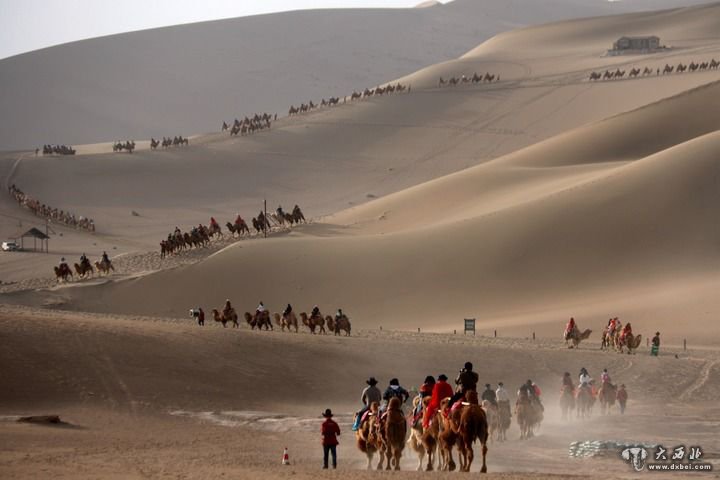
<point>32,24</point>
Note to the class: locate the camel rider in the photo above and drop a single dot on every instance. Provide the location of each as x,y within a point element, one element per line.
<point>228,308</point>
<point>394,390</point>
<point>604,376</point>
<point>584,378</point>
<point>105,258</point>
<point>177,231</point>
<point>260,309</point>
<point>570,327</point>
<point>489,395</point>
<point>84,260</point>
<point>287,310</point>
<point>239,220</point>
<point>315,312</point>
<point>426,390</point>
<point>340,315</point>
<point>502,396</point>
<point>533,393</point>
<point>625,331</point>
<point>213,223</point>
<point>466,381</point>
<point>371,394</point>
<point>567,381</point>
<point>441,390</point>
<point>279,211</point>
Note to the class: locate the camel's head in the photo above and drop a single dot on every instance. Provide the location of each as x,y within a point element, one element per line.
<point>394,404</point>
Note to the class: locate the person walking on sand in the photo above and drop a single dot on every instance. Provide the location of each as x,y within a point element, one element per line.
<point>329,431</point>
<point>621,396</point>
<point>655,345</point>
<point>201,316</point>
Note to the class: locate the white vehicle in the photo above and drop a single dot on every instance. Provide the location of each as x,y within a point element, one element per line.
<point>10,246</point>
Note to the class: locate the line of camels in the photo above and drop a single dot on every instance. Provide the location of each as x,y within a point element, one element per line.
<point>668,69</point>
<point>263,320</point>
<point>611,340</point>
<point>249,125</point>
<point>464,79</point>
<point>52,214</point>
<point>83,270</point>
<point>333,101</point>
<point>582,399</point>
<point>201,236</point>
<point>457,428</point>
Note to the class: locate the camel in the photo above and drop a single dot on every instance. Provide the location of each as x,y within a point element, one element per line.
<point>238,229</point>
<point>504,420</point>
<point>84,270</point>
<point>630,341</point>
<point>226,317</point>
<point>394,433</point>
<point>342,323</point>
<point>62,272</point>
<point>424,441</point>
<point>528,415</point>
<point>313,322</point>
<point>606,395</point>
<point>286,321</point>
<point>567,402</point>
<point>595,76</point>
<point>584,401</point>
<point>447,437</point>
<point>493,419</point>
<point>104,267</point>
<point>576,337</point>
<point>472,425</point>
<point>369,437</point>
<point>258,320</point>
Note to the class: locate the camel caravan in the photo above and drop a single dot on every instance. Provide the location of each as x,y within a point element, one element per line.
<point>464,79</point>
<point>129,145</point>
<point>250,125</point>
<point>333,101</point>
<point>84,269</point>
<point>56,150</point>
<point>582,398</point>
<point>647,71</point>
<point>262,319</point>
<point>51,214</point>
<point>201,235</point>
<point>615,336</point>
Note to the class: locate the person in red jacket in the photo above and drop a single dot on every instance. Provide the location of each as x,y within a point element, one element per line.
<point>330,431</point>
<point>441,390</point>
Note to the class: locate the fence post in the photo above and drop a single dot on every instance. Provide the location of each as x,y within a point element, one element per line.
<point>684,344</point>
<point>381,328</point>
<point>495,333</point>
<point>454,332</point>
<point>418,330</point>
<point>533,335</point>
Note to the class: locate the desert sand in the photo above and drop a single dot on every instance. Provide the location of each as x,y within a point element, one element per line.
<point>520,203</point>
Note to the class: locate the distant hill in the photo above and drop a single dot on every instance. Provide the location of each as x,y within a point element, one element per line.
<point>187,79</point>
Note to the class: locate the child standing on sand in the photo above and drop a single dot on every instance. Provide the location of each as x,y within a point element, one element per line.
<point>330,431</point>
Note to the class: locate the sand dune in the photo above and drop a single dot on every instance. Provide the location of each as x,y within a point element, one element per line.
<point>520,204</point>
<point>156,82</point>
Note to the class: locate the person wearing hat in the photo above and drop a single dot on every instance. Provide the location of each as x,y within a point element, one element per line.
<point>441,390</point>
<point>502,397</point>
<point>655,345</point>
<point>466,381</point>
<point>621,396</point>
<point>369,395</point>
<point>329,431</point>
<point>567,381</point>
<point>489,395</point>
